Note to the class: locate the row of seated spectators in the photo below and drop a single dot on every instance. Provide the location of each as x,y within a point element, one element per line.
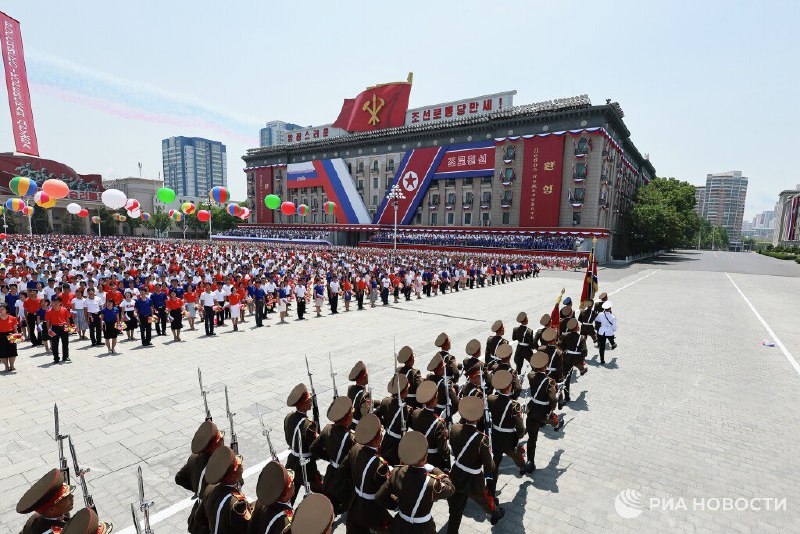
<point>277,233</point>
<point>528,242</point>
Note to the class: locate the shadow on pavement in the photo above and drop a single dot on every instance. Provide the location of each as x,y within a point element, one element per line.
<point>546,478</point>
<point>579,404</point>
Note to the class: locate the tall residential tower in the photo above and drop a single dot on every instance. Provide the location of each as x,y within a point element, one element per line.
<point>193,166</point>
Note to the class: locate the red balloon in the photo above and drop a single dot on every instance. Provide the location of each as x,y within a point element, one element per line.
<point>83,213</point>
<point>3,236</point>
<point>203,215</point>
<point>287,208</point>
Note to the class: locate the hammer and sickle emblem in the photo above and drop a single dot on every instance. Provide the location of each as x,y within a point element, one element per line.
<point>373,108</point>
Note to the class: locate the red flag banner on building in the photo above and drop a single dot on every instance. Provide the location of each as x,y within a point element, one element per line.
<point>542,161</point>
<point>19,97</point>
<point>379,107</point>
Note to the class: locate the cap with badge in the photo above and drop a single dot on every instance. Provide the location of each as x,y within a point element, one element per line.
<point>340,407</point>
<point>413,448</point>
<point>586,304</point>
<point>567,301</point>
<point>545,320</point>
<point>207,435</point>
<point>426,391</point>
<point>471,408</point>
<point>298,394</point>
<point>497,325</point>
<point>549,335</point>
<point>313,516</point>
<point>473,347</point>
<point>539,360</point>
<point>47,491</point>
<point>405,354</point>
<point>272,482</point>
<point>441,339</point>
<point>566,311</point>
<point>399,380</point>
<point>572,324</point>
<point>501,379</point>
<point>357,370</point>
<point>473,369</point>
<point>87,522</point>
<point>522,317</point>
<point>221,463</point>
<point>368,427</point>
<point>503,351</point>
<point>435,362</point>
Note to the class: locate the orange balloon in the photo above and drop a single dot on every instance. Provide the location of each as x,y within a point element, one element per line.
<point>55,188</point>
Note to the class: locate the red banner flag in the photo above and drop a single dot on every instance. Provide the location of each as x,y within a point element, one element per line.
<point>19,98</point>
<point>382,106</point>
<point>542,162</point>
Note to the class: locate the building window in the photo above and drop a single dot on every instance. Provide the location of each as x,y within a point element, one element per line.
<point>486,198</point>
<point>577,197</point>
<point>468,198</point>
<point>375,167</point>
<point>434,219</point>
<point>485,218</point>
<point>418,218</point>
<point>360,167</point>
<point>350,169</point>
<point>583,146</point>
<point>434,199</point>
<point>506,217</point>
<point>450,182</point>
<point>576,218</point>
<point>468,218</point>
<point>510,153</point>
<point>375,182</point>
<point>451,217</point>
<point>390,165</point>
<point>374,200</point>
<point>361,185</point>
<point>467,181</point>
<point>486,180</point>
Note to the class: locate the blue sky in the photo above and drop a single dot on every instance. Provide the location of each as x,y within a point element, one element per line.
<point>706,86</point>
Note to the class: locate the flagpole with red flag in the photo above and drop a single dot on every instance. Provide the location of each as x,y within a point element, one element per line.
<point>555,316</point>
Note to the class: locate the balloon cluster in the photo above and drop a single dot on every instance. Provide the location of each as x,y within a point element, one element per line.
<point>273,202</point>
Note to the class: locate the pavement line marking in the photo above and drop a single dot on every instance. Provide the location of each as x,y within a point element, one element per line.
<point>769,330</point>
<point>187,503</point>
<point>637,280</point>
<point>439,314</point>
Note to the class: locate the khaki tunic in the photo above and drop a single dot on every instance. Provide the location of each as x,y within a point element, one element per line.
<point>37,524</point>
<point>369,472</point>
<point>192,477</point>
<point>403,490</point>
<point>333,445</point>
<point>434,428</point>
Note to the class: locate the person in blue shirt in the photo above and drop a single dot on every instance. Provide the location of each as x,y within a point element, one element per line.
<point>40,326</point>
<point>260,297</point>
<point>319,296</point>
<point>144,310</point>
<point>159,300</point>
<point>110,319</point>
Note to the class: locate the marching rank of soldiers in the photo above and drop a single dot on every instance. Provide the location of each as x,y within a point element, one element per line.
<point>388,461</point>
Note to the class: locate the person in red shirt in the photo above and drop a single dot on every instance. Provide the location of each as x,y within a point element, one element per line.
<point>57,319</point>
<point>236,308</point>
<point>8,350</point>
<point>243,299</point>
<point>174,307</point>
<point>190,296</point>
<point>347,287</point>
<point>31,306</point>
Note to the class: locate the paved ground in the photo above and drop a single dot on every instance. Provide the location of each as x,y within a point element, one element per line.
<point>691,411</point>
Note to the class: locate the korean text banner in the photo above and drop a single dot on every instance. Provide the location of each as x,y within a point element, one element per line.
<point>262,181</point>
<point>19,98</point>
<point>467,161</point>
<point>542,162</point>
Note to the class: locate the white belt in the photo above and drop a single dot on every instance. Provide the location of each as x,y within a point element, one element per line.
<point>433,451</point>
<point>501,429</point>
<point>412,395</point>
<point>441,406</point>
<point>334,464</point>
<point>573,352</point>
<point>300,455</point>
<point>415,520</point>
<point>396,436</point>
<point>365,496</point>
<point>524,344</point>
<point>466,469</point>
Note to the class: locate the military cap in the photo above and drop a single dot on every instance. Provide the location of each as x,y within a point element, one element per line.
<point>501,379</point>
<point>357,369</point>
<point>566,311</point>
<point>47,491</point>
<point>340,407</point>
<point>207,434</point>
<point>313,516</point>
<point>540,360</point>
<point>586,304</point>
<point>400,379</point>
<point>87,522</point>
<point>441,339</point>
<point>474,368</point>
<point>435,362</point>
<point>567,301</point>
<point>503,351</point>
<point>471,408</point>
<point>545,320</point>
<point>497,325</point>
<point>474,346</point>
<point>413,447</point>
<point>549,334</point>
<point>603,296</point>
<point>272,482</point>
<point>572,324</point>
<point>426,391</point>
<point>521,316</point>
<point>368,427</point>
<point>299,393</point>
<point>222,462</point>
<point>405,354</point>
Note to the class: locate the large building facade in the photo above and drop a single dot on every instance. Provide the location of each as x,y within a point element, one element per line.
<point>722,201</point>
<point>479,162</point>
<point>193,166</point>
<point>787,218</point>
<point>275,132</point>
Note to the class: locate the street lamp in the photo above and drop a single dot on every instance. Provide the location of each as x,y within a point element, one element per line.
<point>395,195</point>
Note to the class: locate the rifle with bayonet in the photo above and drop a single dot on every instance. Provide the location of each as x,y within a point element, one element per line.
<point>303,461</point>
<point>448,411</point>
<point>63,466</point>
<point>333,378</point>
<point>265,432</point>
<point>234,441</point>
<point>204,394</point>
<point>80,473</point>
<point>144,506</point>
<point>313,394</point>
<point>487,423</point>
<point>400,403</point>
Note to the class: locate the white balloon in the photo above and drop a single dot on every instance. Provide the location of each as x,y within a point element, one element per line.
<point>114,199</point>
<point>135,214</point>
<point>73,208</point>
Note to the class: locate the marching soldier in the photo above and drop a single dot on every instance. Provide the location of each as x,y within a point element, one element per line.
<point>51,500</point>
<point>544,321</point>
<point>573,346</point>
<point>508,426</point>
<point>226,509</point>
<point>84,522</point>
<point>473,351</point>
<point>414,377</point>
<point>358,392</point>
<point>393,418</point>
<point>472,387</point>
<point>544,393</point>
<point>494,341</point>
<point>300,432</point>
<point>556,366</point>
<point>566,314</point>
<point>586,318</point>
<point>413,487</point>
<point>453,369</point>
<point>503,362</point>
<point>597,309</point>
<point>191,477</point>
<point>445,390</point>
<point>524,336</point>
<point>272,512</point>
<point>369,472</point>
<point>425,421</point>
<point>313,516</point>
<point>473,461</point>
<point>332,445</point>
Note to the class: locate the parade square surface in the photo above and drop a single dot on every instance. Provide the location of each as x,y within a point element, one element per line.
<point>692,426</point>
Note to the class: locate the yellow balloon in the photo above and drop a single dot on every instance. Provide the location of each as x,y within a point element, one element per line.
<point>49,204</point>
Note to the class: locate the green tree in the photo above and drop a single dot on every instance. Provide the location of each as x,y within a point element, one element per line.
<point>73,225</point>
<point>108,225</point>
<point>40,222</point>
<point>159,221</point>
<point>133,224</point>
<point>10,221</point>
<point>663,215</point>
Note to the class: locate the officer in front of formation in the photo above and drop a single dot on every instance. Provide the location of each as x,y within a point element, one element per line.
<point>224,508</point>
<point>369,472</point>
<point>494,341</point>
<point>524,336</point>
<point>51,500</point>
<point>432,427</point>
<point>300,432</point>
<point>272,512</point>
<point>394,413</point>
<point>207,439</point>
<point>333,445</point>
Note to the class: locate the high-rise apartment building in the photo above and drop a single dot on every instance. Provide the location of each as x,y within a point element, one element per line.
<point>192,165</point>
<point>274,133</point>
<point>721,201</point>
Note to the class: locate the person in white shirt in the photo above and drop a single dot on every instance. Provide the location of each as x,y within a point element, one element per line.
<point>93,305</point>
<point>128,306</point>
<point>607,330</point>
<point>219,300</point>
<point>300,296</point>
<point>206,299</point>
<point>79,313</point>
<point>333,294</point>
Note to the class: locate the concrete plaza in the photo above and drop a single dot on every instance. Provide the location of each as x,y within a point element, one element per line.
<point>691,411</point>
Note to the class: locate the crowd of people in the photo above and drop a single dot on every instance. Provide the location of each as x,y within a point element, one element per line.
<point>449,239</point>
<point>287,234</point>
<point>56,290</point>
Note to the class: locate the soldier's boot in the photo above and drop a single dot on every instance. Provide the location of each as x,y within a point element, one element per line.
<point>496,516</point>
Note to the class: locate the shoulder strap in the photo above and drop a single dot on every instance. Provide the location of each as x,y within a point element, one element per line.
<point>466,445</point>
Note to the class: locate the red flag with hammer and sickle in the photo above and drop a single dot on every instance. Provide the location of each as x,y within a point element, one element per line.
<point>382,106</point>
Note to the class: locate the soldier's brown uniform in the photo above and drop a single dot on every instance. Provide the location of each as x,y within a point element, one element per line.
<point>516,383</point>
<point>389,415</point>
<point>413,491</point>
<point>555,368</point>
<point>542,403</point>
<point>225,509</point>
<point>369,472</point>
<point>441,403</point>
<point>524,336</point>
<point>451,365</point>
<point>433,427</point>
<point>191,477</point>
<point>508,427</point>
<point>471,460</point>
<point>573,347</point>
<point>491,346</point>
<point>414,379</point>
<point>297,426</point>
<point>333,445</point>
<point>37,524</point>
<point>359,395</point>
<point>470,390</point>
<point>272,519</point>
